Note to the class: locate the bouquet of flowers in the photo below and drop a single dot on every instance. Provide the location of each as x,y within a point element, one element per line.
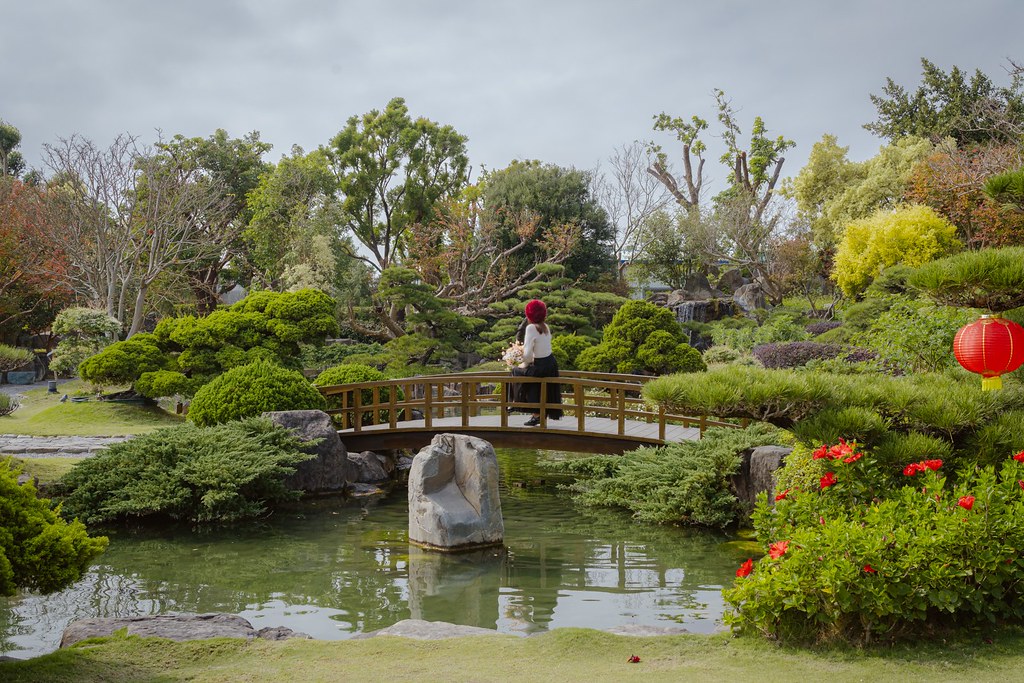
<point>513,355</point>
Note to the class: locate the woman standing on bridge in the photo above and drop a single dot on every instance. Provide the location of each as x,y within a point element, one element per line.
<point>538,361</point>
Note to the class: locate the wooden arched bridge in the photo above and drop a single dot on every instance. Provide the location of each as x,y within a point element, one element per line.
<point>603,413</point>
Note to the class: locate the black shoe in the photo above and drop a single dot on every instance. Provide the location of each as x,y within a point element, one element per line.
<point>532,422</point>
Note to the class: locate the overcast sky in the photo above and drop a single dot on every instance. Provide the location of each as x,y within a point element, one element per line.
<point>563,81</point>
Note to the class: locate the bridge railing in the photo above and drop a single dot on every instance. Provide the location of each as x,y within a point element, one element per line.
<point>465,395</point>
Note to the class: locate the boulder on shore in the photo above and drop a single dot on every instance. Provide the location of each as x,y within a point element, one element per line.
<point>330,471</point>
<point>179,627</point>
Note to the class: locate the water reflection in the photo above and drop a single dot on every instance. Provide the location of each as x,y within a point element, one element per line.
<point>332,571</point>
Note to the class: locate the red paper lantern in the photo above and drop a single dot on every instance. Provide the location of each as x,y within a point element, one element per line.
<point>990,347</point>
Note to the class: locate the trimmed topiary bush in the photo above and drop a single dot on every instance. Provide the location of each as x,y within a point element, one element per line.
<point>223,473</point>
<point>641,338</point>
<point>251,390</point>
<point>162,383</point>
<point>567,349</point>
<point>123,362</point>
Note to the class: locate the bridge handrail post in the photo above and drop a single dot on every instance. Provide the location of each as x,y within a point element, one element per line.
<point>357,404</point>
<point>465,387</point>
<point>661,421</point>
<point>428,410</point>
<point>622,410</point>
<point>393,407</point>
<point>580,397</point>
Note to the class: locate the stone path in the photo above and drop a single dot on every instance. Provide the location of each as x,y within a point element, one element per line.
<point>22,446</point>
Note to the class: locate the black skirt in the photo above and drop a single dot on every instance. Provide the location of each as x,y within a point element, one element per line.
<point>530,393</point>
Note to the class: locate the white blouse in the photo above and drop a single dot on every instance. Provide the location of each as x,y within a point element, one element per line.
<point>536,344</point>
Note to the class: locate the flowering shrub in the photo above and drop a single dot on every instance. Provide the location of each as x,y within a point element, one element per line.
<point>856,560</point>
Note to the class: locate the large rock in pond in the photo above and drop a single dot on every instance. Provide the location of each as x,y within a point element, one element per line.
<point>179,627</point>
<point>453,495</point>
<point>330,471</point>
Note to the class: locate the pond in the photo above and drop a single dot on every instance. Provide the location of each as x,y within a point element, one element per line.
<point>333,570</point>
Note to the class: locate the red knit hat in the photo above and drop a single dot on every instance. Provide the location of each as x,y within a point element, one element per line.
<point>536,311</point>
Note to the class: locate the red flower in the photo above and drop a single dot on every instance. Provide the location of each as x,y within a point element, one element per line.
<point>745,568</point>
<point>821,520</point>
<point>915,467</point>
<point>1021,482</point>
<point>853,458</point>
<point>821,452</point>
<point>869,569</point>
<point>634,660</point>
<point>828,480</point>
<point>782,496</point>
<point>1019,457</point>
<point>778,549</point>
<point>966,502</point>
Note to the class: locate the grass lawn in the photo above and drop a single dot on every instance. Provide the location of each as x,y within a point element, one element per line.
<point>46,470</point>
<point>561,655</point>
<point>42,414</point>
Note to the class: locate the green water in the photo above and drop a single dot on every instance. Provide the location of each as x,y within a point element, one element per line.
<point>334,570</point>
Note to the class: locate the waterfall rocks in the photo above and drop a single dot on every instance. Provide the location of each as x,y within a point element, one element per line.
<point>453,495</point>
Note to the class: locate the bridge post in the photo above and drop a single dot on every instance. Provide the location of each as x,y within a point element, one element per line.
<point>661,421</point>
<point>465,386</point>
<point>393,407</point>
<point>357,401</point>
<point>428,410</point>
<point>581,401</point>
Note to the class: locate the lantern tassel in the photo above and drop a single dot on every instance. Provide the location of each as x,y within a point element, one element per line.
<point>991,383</point>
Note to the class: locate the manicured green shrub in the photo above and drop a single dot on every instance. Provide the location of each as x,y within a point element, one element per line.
<point>162,383</point>
<point>567,348</point>
<point>950,408</point>
<point>12,358</point>
<point>38,549</point>
<point>991,279</point>
<point>683,483</point>
<point>251,390</point>
<point>221,473</point>
<point>122,362</point>
<point>849,560</point>
<point>641,338</point>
